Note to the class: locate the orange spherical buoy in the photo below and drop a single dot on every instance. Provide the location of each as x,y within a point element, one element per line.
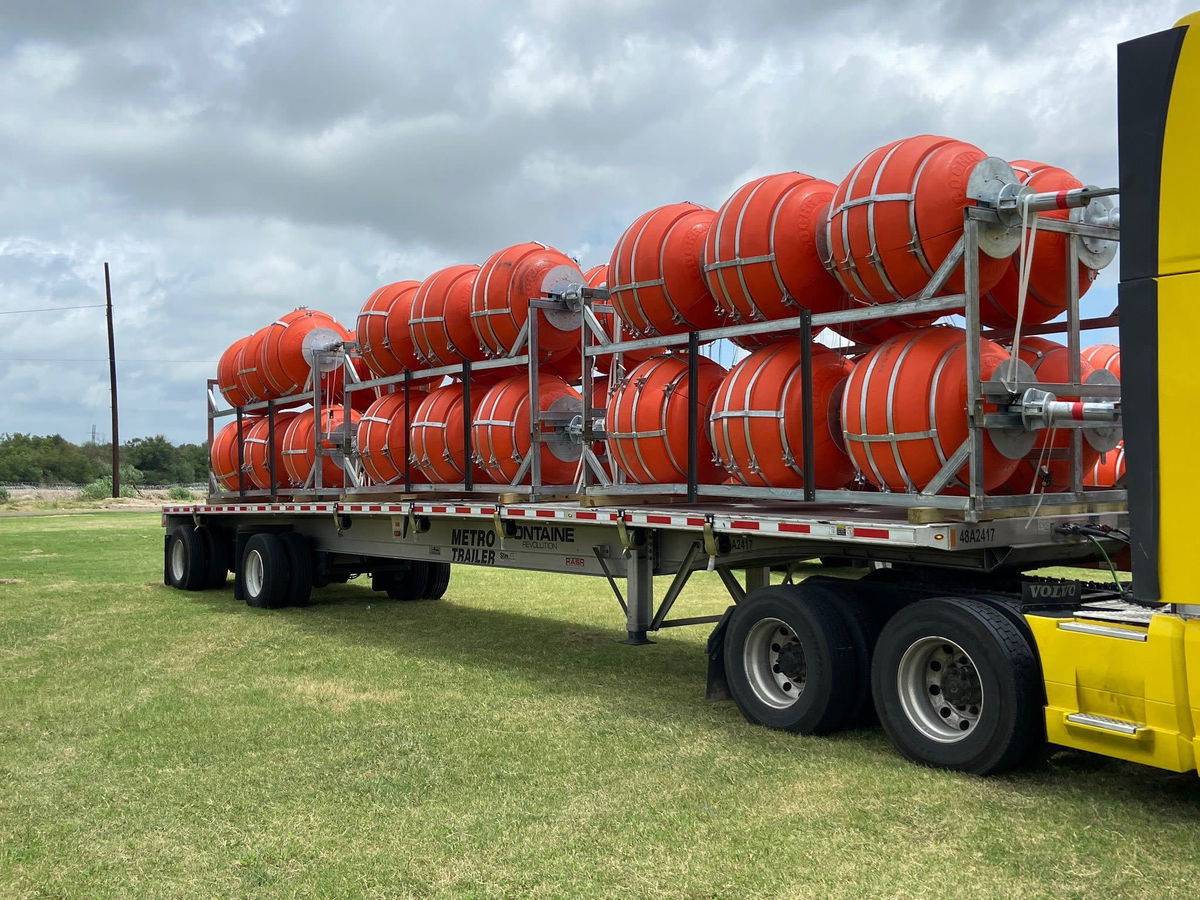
<point>1047,467</point>
<point>223,455</point>
<point>257,451</point>
<point>1109,470</point>
<point>440,321</point>
<point>501,429</point>
<point>382,330</point>
<point>1104,356</point>
<point>288,345</point>
<point>647,421</point>
<point>299,446</point>
<point>381,445</point>
<point>500,303</point>
<point>655,275</point>
<point>438,442</point>
<point>904,410</point>
<point>761,259</point>
<point>228,365</point>
<point>250,377</point>
<point>1046,295</point>
<point>757,424</point>
<point>895,218</point>
<point>597,276</point>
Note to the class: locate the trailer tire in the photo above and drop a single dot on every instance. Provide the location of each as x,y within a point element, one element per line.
<point>218,551</point>
<point>439,580</point>
<point>410,585</point>
<point>957,686</point>
<point>187,559</point>
<point>263,572</point>
<point>785,637</point>
<point>300,565</point>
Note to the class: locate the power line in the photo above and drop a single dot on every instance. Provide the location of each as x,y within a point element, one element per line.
<point>13,312</point>
<point>51,359</point>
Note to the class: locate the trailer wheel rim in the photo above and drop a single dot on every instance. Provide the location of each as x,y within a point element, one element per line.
<point>254,573</point>
<point>773,660</point>
<point>178,560</point>
<point>940,689</point>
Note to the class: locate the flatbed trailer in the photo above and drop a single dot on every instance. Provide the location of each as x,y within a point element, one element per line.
<point>970,659</point>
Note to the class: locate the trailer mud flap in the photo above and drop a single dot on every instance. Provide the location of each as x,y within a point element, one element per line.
<point>717,687</point>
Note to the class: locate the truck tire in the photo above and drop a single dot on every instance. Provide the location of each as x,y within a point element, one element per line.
<point>790,660</point>
<point>300,566</point>
<point>217,547</point>
<point>956,686</point>
<point>439,580</point>
<point>412,585</point>
<point>187,559</point>
<point>264,571</point>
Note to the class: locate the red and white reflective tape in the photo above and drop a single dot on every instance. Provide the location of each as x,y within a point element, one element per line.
<point>558,514</point>
<point>660,518</point>
<point>453,509</point>
<point>224,508</point>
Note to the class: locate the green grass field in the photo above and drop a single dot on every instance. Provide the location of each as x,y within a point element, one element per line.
<point>495,743</point>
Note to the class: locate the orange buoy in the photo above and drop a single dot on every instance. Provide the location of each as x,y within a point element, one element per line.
<point>257,450</point>
<point>894,219</point>
<point>656,279</point>
<point>440,321</point>
<point>1047,467</point>
<point>287,348</point>
<point>501,429</point>
<point>647,421</point>
<point>223,455</point>
<point>299,445</point>
<point>1104,356</point>
<point>382,330</point>
<point>597,276</point>
<point>904,410</point>
<point>761,259</point>
<point>1109,470</point>
<point>228,365</point>
<point>250,378</point>
<point>500,303</point>
<point>381,444</point>
<point>1046,296</point>
<point>438,448</point>
<point>757,421</point>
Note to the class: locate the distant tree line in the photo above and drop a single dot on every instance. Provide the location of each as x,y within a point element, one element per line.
<point>55,460</point>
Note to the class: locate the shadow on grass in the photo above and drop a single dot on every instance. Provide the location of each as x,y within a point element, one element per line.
<point>666,681</point>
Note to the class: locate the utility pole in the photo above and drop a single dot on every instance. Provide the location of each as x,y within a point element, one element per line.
<point>112,379</point>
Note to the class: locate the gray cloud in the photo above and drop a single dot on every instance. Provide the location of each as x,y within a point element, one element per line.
<point>235,158</point>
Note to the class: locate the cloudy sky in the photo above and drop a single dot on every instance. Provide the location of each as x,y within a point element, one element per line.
<point>233,159</point>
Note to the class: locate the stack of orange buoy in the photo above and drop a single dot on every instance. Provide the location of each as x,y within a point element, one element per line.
<point>904,410</point>
<point>756,422</point>
<point>382,447</point>
<point>299,445</point>
<point>502,430</point>
<point>257,453</point>
<point>438,435</point>
<point>1109,469</point>
<point>223,454</point>
<point>1046,294</point>
<point>760,257</point>
<point>655,280</point>
<point>646,420</point>
<point>276,361</point>
<point>500,308</point>
<point>1047,467</point>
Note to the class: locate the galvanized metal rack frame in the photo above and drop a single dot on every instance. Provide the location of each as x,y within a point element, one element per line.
<point>975,503</point>
<point>594,477</point>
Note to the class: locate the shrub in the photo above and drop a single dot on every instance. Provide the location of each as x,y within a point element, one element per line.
<point>180,493</point>
<point>4,497</point>
<point>101,488</point>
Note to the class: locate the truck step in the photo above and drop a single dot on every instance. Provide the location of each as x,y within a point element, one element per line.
<point>1105,723</point>
<point>1112,631</point>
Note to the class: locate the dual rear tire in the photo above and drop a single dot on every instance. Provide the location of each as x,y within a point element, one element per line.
<point>276,570</point>
<point>196,558</point>
<point>953,680</point>
<point>421,580</point>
